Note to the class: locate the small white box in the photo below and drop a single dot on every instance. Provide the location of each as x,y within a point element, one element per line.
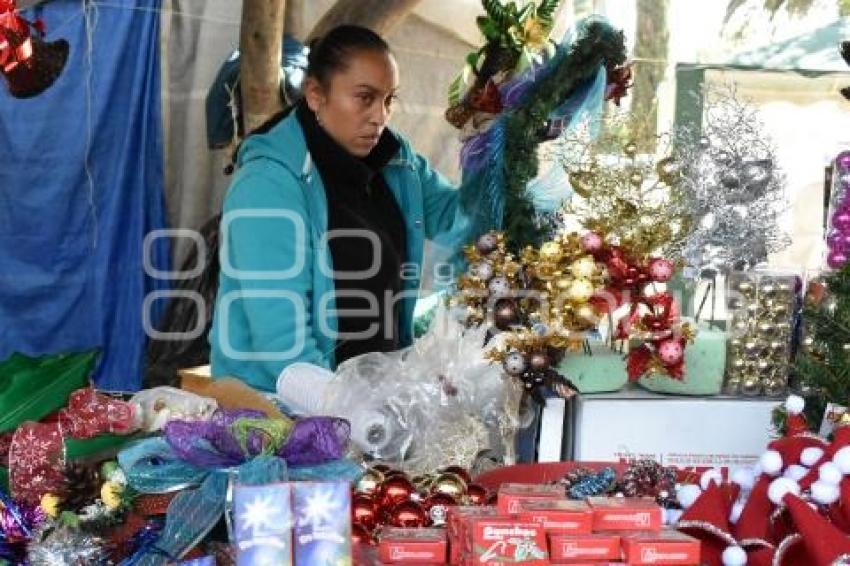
<point>701,432</point>
<point>551,438</point>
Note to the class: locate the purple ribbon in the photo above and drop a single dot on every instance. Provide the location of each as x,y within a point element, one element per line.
<point>214,444</point>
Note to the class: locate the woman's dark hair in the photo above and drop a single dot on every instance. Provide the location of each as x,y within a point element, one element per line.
<point>331,53</point>
<point>328,55</point>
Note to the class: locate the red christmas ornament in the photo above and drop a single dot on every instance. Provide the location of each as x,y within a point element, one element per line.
<point>460,471</point>
<point>477,494</point>
<point>359,535</point>
<point>394,490</point>
<point>409,514</point>
<point>364,511</point>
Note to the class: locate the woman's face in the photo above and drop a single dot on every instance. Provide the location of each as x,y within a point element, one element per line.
<point>357,103</point>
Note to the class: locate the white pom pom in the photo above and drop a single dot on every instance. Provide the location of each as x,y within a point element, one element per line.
<point>796,472</point>
<point>771,462</point>
<point>829,473</point>
<point>842,460</point>
<point>734,556</point>
<point>810,456</point>
<point>825,493</point>
<point>744,477</point>
<point>735,513</point>
<point>780,487</point>
<point>688,494</point>
<point>794,404</point>
<point>710,476</point>
<point>671,516</point>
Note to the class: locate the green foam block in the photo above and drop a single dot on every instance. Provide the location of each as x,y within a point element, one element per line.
<point>603,371</point>
<point>705,364</point>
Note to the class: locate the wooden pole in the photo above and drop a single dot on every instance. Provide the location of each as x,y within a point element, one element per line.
<point>260,40</point>
<point>381,16</point>
<point>294,19</point>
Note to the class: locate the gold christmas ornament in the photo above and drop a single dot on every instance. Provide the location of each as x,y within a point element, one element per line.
<point>450,484</point>
<point>370,481</point>
<point>580,290</point>
<point>584,267</point>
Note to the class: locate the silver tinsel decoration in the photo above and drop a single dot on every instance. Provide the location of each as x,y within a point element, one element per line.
<point>66,546</point>
<point>737,190</point>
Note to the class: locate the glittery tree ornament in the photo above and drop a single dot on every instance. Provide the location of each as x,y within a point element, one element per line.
<point>574,476</point>
<point>731,176</point>
<point>67,545</point>
<point>648,478</point>
<point>635,201</point>
<point>592,485</point>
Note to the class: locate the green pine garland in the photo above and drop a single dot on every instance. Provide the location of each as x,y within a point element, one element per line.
<point>600,44</point>
<point>824,367</point>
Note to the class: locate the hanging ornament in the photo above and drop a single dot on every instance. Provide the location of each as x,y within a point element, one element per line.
<point>28,63</point>
<point>661,270</point>
<point>671,351</point>
<point>487,243</point>
<point>514,364</point>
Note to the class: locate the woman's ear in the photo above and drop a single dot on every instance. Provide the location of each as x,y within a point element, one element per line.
<point>314,94</point>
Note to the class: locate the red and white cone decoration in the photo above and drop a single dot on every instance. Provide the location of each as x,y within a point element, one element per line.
<point>793,509</point>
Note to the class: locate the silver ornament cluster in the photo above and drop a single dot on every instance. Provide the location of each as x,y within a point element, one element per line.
<point>737,189</point>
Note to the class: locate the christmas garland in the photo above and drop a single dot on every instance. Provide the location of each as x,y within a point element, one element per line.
<point>599,44</point>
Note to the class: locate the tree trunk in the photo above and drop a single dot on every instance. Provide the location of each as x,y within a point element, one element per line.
<point>380,16</point>
<point>294,19</point>
<point>651,42</point>
<point>260,40</point>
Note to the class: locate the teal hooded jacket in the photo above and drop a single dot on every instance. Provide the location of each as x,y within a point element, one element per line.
<point>275,302</point>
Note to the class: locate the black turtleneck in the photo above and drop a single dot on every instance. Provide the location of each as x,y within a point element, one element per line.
<point>359,199</point>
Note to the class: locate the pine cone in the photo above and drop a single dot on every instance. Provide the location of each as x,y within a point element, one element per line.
<point>82,486</point>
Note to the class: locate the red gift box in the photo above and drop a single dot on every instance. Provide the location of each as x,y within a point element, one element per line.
<point>494,541</point>
<point>625,514</point>
<point>667,547</point>
<point>573,517</point>
<point>456,517</point>
<point>513,495</point>
<point>416,546</point>
<point>578,549</point>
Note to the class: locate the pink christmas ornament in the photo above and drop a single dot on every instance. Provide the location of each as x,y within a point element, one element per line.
<point>671,352</point>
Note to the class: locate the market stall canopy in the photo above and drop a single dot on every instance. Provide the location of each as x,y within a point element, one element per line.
<point>817,50</point>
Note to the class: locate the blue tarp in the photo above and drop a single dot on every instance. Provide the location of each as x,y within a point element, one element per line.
<point>81,183</point>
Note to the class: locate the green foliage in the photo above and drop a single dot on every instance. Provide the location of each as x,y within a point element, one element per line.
<point>823,367</point>
<point>546,12</point>
<point>600,44</point>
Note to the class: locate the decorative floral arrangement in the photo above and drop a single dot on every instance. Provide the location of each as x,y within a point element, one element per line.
<point>545,302</point>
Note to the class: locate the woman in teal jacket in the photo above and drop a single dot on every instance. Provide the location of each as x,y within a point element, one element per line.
<point>311,197</point>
